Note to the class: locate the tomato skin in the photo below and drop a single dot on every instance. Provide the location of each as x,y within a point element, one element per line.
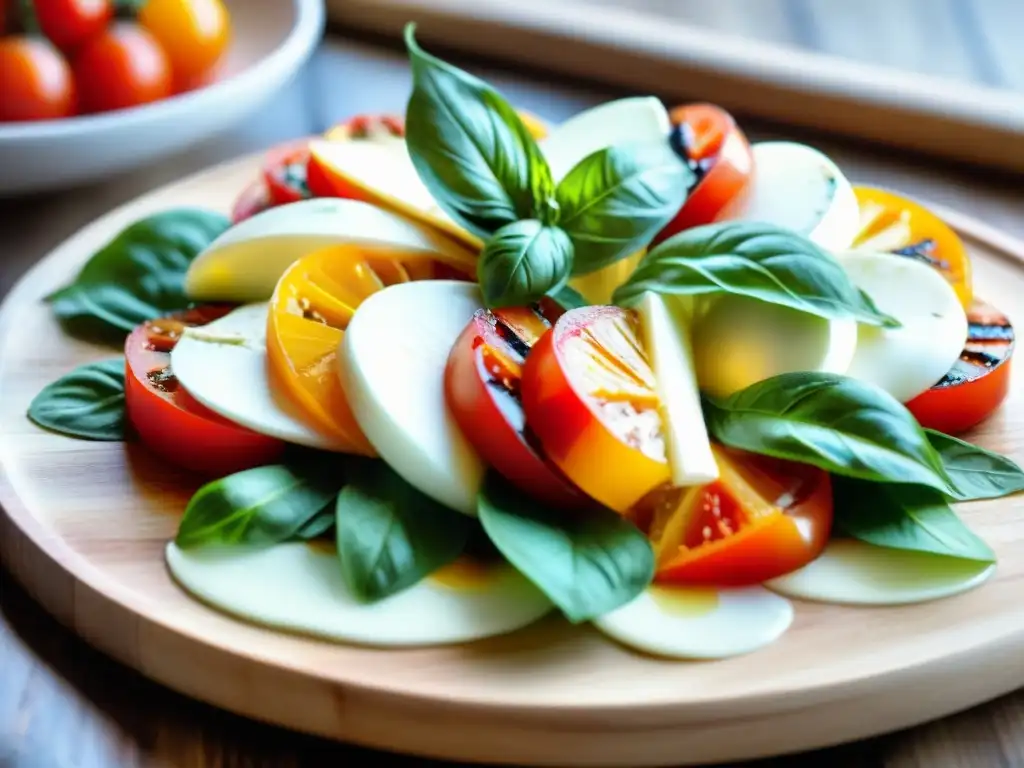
<point>722,148</point>
<point>284,173</point>
<point>485,406</point>
<point>978,382</point>
<point>254,199</point>
<point>174,425</point>
<point>70,23</point>
<point>124,67</point>
<point>35,81</point>
<point>570,429</point>
<point>769,539</point>
<point>194,34</point>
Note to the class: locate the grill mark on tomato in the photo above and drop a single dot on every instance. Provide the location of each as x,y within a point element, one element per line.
<point>681,139</point>
<point>163,380</point>
<point>924,251</point>
<point>990,341</point>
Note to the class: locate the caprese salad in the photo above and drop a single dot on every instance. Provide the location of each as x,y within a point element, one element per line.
<point>445,373</point>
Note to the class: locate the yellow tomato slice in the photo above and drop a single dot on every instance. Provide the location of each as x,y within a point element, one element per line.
<point>313,303</point>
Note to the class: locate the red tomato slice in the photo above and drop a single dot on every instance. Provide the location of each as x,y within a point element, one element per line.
<point>254,199</point>
<point>284,173</point>
<point>482,388</point>
<point>762,518</point>
<point>172,423</point>
<point>708,138</point>
<point>374,127</point>
<point>978,382</point>
<point>588,393</point>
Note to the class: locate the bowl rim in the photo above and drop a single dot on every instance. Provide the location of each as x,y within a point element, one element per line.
<point>301,39</point>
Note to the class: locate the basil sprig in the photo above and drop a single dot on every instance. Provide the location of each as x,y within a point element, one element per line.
<point>140,274</point>
<point>900,516</point>
<point>834,422</point>
<point>761,261</point>
<point>389,534</point>
<point>87,403</point>
<point>587,564</point>
<point>266,505</point>
<point>484,169</point>
<point>975,472</point>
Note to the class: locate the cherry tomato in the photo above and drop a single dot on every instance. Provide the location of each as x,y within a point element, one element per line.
<point>172,423</point>
<point>194,33</point>
<point>588,393</point>
<point>69,23</point>
<point>708,138</point>
<point>896,224</point>
<point>978,382</point>
<point>284,173</point>
<point>254,199</point>
<point>482,389</point>
<point>35,81</point>
<point>762,518</point>
<point>123,67</point>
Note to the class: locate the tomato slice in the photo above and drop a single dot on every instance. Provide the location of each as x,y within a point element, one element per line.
<point>588,393</point>
<point>483,380</point>
<point>372,127</point>
<point>896,224</point>
<point>762,518</point>
<point>978,382</point>
<point>284,173</point>
<point>169,421</point>
<point>708,139</point>
<point>254,199</point>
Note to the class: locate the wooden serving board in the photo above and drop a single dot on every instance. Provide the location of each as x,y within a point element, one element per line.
<point>85,524</point>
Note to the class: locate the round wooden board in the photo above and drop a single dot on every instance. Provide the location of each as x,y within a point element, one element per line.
<point>86,524</point>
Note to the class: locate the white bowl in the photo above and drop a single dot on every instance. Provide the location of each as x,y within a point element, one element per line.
<point>272,39</point>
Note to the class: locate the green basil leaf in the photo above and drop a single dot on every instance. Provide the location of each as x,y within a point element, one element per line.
<point>976,473</point>
<point>140,274</point>
<point>587,563</point>
<point>834,422</point>
<point>904,517</point>
<point>568,298</point>
<point>614,201</point>
<point>390,535</point>
<point>86,403</point>
<point>761,261</point>
<point>317,526</point>
<point>522,262</point>
<point>265,505</point>
<point>471,149</point>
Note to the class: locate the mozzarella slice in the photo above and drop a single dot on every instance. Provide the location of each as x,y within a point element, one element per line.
<point>244,264</point>
<point>905,361</point>
<point>391,362</point>
<point>223,365</point>
<point>799,188</point>
<point>852,572</point>
<point>298,587</point>
<point>699,623</point>
<point>624,121</point>
<point>739,341</point>
<point>665,327</point>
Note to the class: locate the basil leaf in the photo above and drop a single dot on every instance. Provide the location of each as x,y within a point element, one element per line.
<point>761,261</point>
<point>390,535</point>
<point>568,298</point>
<point>904,517</point>
<point>86,403</point>
<point>975,472</point>
<point>471,149</point>
<point>833,422</point>
<point>140,274</point>
<point>265,505</point>
<point>317,526</point>
<point>614,201</point>
<point>523,262</point>
<point>587,563</point>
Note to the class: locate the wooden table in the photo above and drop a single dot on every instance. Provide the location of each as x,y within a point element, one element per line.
<point>63,705</point>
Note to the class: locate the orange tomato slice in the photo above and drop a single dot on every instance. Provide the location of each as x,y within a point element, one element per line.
<point>896,224</point>
<point>313,303</point>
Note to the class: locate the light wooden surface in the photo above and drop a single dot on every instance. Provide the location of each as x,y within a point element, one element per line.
<point>63,704</point>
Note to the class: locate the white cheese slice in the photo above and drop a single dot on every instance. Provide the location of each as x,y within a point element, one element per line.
<point>665,328</point>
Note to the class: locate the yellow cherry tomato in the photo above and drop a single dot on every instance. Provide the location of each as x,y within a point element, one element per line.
<point>193,33</point>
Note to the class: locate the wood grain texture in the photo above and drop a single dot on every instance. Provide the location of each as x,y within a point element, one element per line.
<point>86,524</point>
<point>64,705</point>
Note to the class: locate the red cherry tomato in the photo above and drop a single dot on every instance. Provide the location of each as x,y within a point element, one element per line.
<point>70,23</point>
<point>35,81</point>
<point>172,423</point>
<point>708,138</point>
<point>762,518</point>
<point>978,382</point>
<point>482,383</point>
<point>123,67</point>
